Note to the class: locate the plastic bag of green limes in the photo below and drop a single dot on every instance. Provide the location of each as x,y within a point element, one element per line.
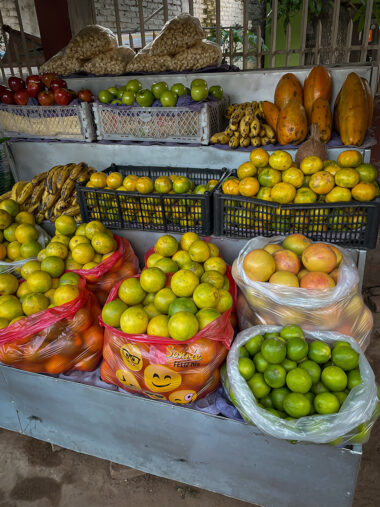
<point>302,386</point>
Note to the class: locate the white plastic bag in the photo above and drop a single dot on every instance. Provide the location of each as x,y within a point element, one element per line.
<point>358,408</point>
<point>338,309</point>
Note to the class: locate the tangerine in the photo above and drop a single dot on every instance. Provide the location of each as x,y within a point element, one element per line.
<point>199,251</point>
<point>187,239</point>
<point>305,196</point>
<point>280,160</point>
<point>129,182</point>
<point>246,170</point>
<point>65,293</point>
<point>131,292</point>
<point>249,187</point>
<point>347,178</point>
<point>350,158</point>
<point>98,180</point>
<point>5,219</point>
<point>25,233</point>
<point>311,164</point>
<point>322,182</point>
<point>65,225</point>
<point>183,325</point>
<point>293,176</point>
<point>283,193</point>
<point>207,315</point>
<point>231,187</point>
<point>339,194</point>
<point>24,217</point>
<point>259,157</point>
<point>166,245</point>
<point>158,326</point>
<point>269,177</point>
<point>35,303</point>
<point>114,180</point>
<point>364,191</point>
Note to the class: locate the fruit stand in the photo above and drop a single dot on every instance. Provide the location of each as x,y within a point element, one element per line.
<point>194,447</point>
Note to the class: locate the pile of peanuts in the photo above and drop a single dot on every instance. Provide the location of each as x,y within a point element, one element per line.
<point>90,41</point>
<point>178,34</point>
<point>111,62</point>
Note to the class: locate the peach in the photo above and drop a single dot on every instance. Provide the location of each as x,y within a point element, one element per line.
<point>284,278</point>
<point>319,257</point>
<point>296,243</point>
<point>286,260</point>
<point>259,265</point>
<point>272,248</point>
<point>317,280</point>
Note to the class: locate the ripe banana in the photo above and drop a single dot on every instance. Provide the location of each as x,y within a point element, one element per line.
<point>25,193</point>
<point>17,189</point>
<point>7,195</point>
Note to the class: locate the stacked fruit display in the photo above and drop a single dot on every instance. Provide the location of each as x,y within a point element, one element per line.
<point>133,93</point>
<point>47,89</point>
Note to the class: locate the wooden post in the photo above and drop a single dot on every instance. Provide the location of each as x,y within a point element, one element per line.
<point>54,25</point>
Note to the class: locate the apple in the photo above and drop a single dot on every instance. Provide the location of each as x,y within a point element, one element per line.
<point>58,83</point>
<point>128,97</point>
<point>48,77</point>
<point>2,89</point>
<point>21,97</point>
<point>145,98</point>
<point>198,82</point>
<point>85,95</point>
<point>159,88</point>
<point>46,98</point>
<point>133,85</point>
<point>199,93</point>
<point>179,89</point>
<point>62,96</point>
<point>7,97</point>
<point>73,94</point>
<point>169,99</point>
<point>105,96</point>
<point>35,78</point>
<point>216,91</point>
<point>16,83</point>
<point>120,93</point>
<point>113,90</point>
<point>34,88</point>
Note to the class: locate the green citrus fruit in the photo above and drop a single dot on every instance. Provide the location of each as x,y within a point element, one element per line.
<point>254,344</point>
<point>333,377</point>
<point>243,352</point>
<point>112,311</point>
<point>354,378</point>
<point>55,266</point>
<point>326,403</point>
<point>313,369</point>
<point>319,388</point>
<point>246,367</point>
<point>207,315</point>
<point>291,331</point>
<point>163,299</point>
<point>131,292</point>
<point>278,395</point>
<point>341,396</point>
<point>183,326</point>
<point>273,350</point>
<point>152,279</point>
<point>288,364</point>
<point>274,375</point>
<point>266,401</point>
<point>260,363</point>
<point>345,357</point>
<point>319,352</point>
<point>298,381</point>
<point>296,349</point>
<point>182,305</point>
<point>258,386</point>
<point>296,405</point>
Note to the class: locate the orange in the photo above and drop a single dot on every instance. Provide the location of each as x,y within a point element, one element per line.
<point>34,303</point>
<point>8,283</point>
<point>182,258</point>
<point>283,193</point>
<point>231,187</point>
<point>213,277</point>
<point>29,267</point>
<point>55,266</point>
<point>70,264</point>
<point>269,177</point>
<point>93,227</point>
<point>30,249</point>
<point>182,305</point>
<point>158,326</point>
<point>196,268</point>
<point>259,157</point>
<point>280,160</point>
<point>98,180</point>
<point>167,265</point>
<point>129,182</point>
<point>214,250</point>
<point>65,293</point>
<point>182,185</point>
<point>332,168</point>
<point>65,225</point>
<point>114,180</point>
<point>14,250</point>
<point>293,176</point>
<point>163,185</point>
<point>207,315</point>
<point>264,194</point>
<point>339,194</point>
<point>215,264</point>
<point>322,182</point>
<point>102,243</point>
<point>81,230</point>
<point>350,158</point>
<point>199,251</point>
<point>24,217</point>
<point>187,239</point>
<point>166,245</point>
<point>364,191</point>
<point>61,238</point>
<point>206,296</point>
<point>10,206</point>
<point>305,196</point>
<point>225,301</point>
<point>249,187</point>
<point>83,253</point>
<point>10,309</point>
<point>77,240</point>
<point>39,281</point>
<point>131,292</point>
<point>152,279</point>
<point>246,170</point>
<point>69,279</point>
<point>297,243</point>
<point>134,320</point>
<point>3,252</point>
<point>183,283</point>
<point>311,164</point>
<point>259,265</point>
<point>153,259</point>
<point>183,326</point>
<point>9,232</point>
<point>211,184</point>
<point>347,178</point>
<point>367,173</point>
<point>163,299</point>
<point>151,311</point>
<point>25,233</point>
<point>203,347</point>
<point>5,219</point>
<point>284,278</point>
<point>112,312</point>
<point>56,249</point>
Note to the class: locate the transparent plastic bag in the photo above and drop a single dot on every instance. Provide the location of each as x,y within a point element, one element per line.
<point>114,61</point>
<point>90,41</point>
<point>350,425</point>
<point>58,339</point>
<point>202,54</point>
<point>15,266</point>
<point>177,34</point>
<point>62,64</point>
<point>144,61</point>
<point>339,309</point>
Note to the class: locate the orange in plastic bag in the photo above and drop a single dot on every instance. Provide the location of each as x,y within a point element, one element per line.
<point>163,368</point>
<point>56,340</point>
<point>121,264</point>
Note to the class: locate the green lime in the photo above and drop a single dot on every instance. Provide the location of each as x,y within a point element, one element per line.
<point>341,344</point>
<point>163,300</point>
<point>288,364</point>
<point>266,401</point>
<point>326,403</point>
<point>258,386</point>
<point>274,350</point>
<point>362,435</point>
<point>273,334</point>
<point>341,396</point>
<point>319,352</point>
<point>291,331</point>
<point>345,357</point>
<point>334,378</point>
<point>298,381</point>
<point>274,412</point>
<point>246,367</point>
<point>254,344</point>
<point>354,378</point>
<point>310,396</point>
<point>274,375</point>
<point>296,349</point>
<point>260,363</point>
<point>278,396</point>
<point>313,369</point>
<point>243,352</point>
<point>319,388</point>
<point>297,405</point>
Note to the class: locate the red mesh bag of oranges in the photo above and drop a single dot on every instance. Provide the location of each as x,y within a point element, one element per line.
<point>58,339</point>
<point>167,333</point>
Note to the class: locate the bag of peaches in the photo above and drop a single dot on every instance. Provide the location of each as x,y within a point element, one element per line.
<point>290,280</point>
<point>49,326</point>
<point>167,332</point>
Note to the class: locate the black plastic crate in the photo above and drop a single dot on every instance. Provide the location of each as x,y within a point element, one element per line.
<point>153,212</point>
<point>350,224</point>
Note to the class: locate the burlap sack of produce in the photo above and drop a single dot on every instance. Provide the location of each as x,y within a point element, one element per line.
<point>201,54</point>
<point>177,34</point>
<point>114,61</point>
<point>90,41</point>
<point>340,309</point>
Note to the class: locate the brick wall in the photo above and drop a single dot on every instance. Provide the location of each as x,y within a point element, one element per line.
<point>28,13</point>
<point>231,12</point>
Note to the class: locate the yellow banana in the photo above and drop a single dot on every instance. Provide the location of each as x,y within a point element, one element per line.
<point>25,193</point>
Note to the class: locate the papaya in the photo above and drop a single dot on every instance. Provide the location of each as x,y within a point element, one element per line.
<point>288,88</point>
<point>318,83</point>
<point>336,117</point>
<point>270,112</point>
<point>369,100</point>
<point>321,115</point>
<point>353,111</point>
<point>291,123</point>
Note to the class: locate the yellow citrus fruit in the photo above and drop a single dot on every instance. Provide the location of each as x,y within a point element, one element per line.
<point>131,292</point>
<point>102,243</point>
<point>152,259</point>
<point>280,160</point>
<point>246,170</point>
<point>163,299</point>
<point>81,230</point>
<point>29,268</point>
<point>23,290</point>
<point>214,250</point>
<point>93,227</point>
<point>199,251</point>
<point>293,176</point>
<point>14,250</point>
<point>8,283</point>
<point>347,178</point>
<point>269,177</point>
<point>182,258</point>
<point>61,238</point>
<point>364,191</point>
<point>10,232</point>
<point>3,252</point>
<point>55,266</point>
<point>50,295</point>
<point>249,187</point>
<point>339,194</point>
<point>34,303</point>
<point>332,168</point>
<point>163,185</point>
<point>77,240</point>
<point>350,158</point>
<point>10,308</point>
<point>182,185</point>
<point>367,172</point>
<point>167,265</point>
<point>311,164</point>
<point>166,245</point>
<point>259,157</point>
<point>322,182</point>
<point>30,249</point>
<point>231,187</point>
<point>206,296</point>
<point>26,232</point>
<point>41,255</point>
<point>55,283</point>
<point>213,277</point>
<point>152,279</point>
<point>187,239</point>
<point>65,225</point>
<point>24,217</point>
<point>129,182</point>
<point>305,196</point>
<point>134,320</point>
<point>184,282</point>
<point>144,185</point>
<point>71,264</point>
<point>83,253</point>
<point>98,180</point>
<point>211,184</point>
<point>39,281</point>
<point>151,310</point>
<point>65,293</point>
<point>69,279</point>
<point>10,206</point>
<point>283,193</point>
<point>207,315</point>
<point>183,326</point>
<point>215,264</point>
<point>5,219</point>
<point>56,249</point>
<point>4,323</point>
<point>112,312</point>
<point>225,301</point>
<point>114,180</point>
<point>89,265</point>
<point>196,268</point>
<point>158,326</point>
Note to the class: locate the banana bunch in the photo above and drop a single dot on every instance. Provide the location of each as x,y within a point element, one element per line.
<point>246,127</point>
<point>52,193</point>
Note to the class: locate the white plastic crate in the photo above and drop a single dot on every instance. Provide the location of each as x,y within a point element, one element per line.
<point>167,124</point>
<point>48,122</point>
